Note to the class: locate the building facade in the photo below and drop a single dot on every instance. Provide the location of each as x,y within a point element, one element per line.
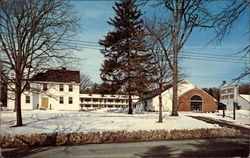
<point>53,89</point>
<point>190,98</point>
<point>93,101</point>
<point>244,101</point>
<point>197,100</point>
<point>60,90</point>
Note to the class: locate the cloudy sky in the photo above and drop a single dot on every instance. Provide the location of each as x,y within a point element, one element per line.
<point>202,72</point>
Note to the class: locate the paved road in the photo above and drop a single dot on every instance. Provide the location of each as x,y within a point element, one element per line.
<point>182,148</point>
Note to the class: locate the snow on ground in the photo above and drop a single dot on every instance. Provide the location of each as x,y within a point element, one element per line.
<point>242,117</point>
<point>39,121</point>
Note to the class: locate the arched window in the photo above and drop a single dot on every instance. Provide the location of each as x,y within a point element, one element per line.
<point>196,103</point>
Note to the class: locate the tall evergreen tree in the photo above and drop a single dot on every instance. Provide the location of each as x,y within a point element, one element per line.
<point>125,50</point>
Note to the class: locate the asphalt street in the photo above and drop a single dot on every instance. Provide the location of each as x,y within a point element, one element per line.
<point>181,148</point>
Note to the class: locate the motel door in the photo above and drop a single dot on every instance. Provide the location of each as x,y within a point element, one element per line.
<point>45,103</point>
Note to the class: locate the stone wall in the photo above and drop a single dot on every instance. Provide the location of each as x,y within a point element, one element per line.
<point>57,139</point>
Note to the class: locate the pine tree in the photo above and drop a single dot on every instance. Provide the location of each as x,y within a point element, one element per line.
<point>127,60</point>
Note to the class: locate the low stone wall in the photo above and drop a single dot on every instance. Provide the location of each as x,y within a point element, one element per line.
<point>57,139</point>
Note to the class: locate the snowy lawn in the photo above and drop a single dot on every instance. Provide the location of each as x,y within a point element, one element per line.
<point>39,121</point>
<point>242,117</point>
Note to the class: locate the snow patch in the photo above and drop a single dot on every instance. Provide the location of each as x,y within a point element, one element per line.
<point>50,121</point>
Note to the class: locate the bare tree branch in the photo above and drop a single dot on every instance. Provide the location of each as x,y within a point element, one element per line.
<point>31,34</point>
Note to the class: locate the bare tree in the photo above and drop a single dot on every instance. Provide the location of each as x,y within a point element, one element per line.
<point>85,82</point>
<point>162,77</point>
<point>227,17</point>
<point>158,40</point>
<point>33,36</point>
<point>224,22</point>
<point>181,19</point>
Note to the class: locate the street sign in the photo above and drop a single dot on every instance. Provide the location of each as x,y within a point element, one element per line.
<point>229,97</point>
<point>228,93</point>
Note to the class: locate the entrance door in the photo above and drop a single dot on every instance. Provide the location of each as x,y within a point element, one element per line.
<point>45,103</point>
<point>196,103</point>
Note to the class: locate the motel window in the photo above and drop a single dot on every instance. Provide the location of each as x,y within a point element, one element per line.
<point>61,100</point>
<point>61,87</point>
<point>87,100</point>
<point>110,100</point>
<point>45,86</point>
<point>95,106</point>
<point>110,106</point>
<point>81,99</point>
<point>87,105</point>
<point>95,100</point>
<point>117,106</point>
<point>70,88</point>
<point>27,99</point>
<point>117,101</point>
<point>70,100</point>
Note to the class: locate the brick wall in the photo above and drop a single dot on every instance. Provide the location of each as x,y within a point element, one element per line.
<point>208,102</point>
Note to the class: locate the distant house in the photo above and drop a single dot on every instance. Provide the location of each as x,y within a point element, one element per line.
<point>190,98</point>
<point>52,89</point>
<point>244,101</point>
<point>93,101</point>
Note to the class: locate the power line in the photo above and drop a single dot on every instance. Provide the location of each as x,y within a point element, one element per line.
<point>211,57</point>
<point>214,55</point>
<point>206,58</point>
<point>96,44</point>
<point>191,55</point>
<point>218,60</point>
<point>81,41</point>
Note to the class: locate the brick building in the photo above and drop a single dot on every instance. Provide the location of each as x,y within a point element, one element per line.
<point>197,100</point>
<point>190,97</point>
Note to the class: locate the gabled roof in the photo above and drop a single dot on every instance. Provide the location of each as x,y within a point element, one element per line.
<point>200,90</point>
<point>184,86</point>
<point>155,92</point>
<point>59,75</point>
<point>245,97</point>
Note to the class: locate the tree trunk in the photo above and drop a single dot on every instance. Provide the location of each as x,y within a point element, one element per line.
<point>18,92</point>
<point>175,64</point>
<point>160,107</point>
<point>175,87</point>
<point>130,110</point>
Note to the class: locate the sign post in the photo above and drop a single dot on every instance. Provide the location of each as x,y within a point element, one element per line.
<point>234,110</point>
<point>223,107</point>
<point>229,93</point>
